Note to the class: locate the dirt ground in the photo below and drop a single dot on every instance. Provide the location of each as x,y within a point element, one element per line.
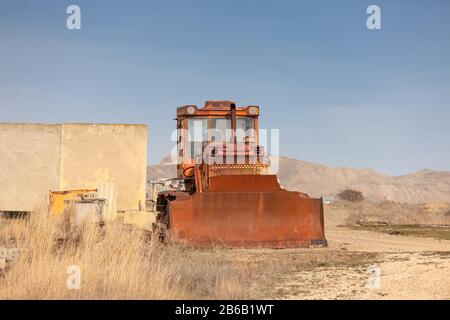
<point>408,268</point>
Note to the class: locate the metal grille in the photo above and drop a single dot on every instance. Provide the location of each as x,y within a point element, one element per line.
<point>237,169</point>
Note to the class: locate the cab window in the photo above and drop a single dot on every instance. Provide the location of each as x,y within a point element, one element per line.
<point>197,129</point>
<point>220,130</point>
<point>244,129</point>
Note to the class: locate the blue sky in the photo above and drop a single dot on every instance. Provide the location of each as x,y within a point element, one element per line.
<point>341,94</point>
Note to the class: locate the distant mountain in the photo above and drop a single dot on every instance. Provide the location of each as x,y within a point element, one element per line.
<point>164,170</point>
<point>320,180</point>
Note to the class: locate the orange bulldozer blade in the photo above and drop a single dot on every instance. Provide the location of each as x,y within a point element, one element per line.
<point>247,211</point>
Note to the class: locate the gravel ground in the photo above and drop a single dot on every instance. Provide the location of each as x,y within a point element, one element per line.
<point>408,268</point>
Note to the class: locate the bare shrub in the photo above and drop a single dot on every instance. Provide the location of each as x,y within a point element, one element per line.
<point>351,195</point>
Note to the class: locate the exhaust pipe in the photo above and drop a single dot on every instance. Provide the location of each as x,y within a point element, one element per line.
<point>233,121</point>
<point>233,129</point>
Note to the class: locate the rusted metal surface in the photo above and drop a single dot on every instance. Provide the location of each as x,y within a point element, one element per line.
<point>247,211</point>
<point>215,108</point>
<point>276,219</point>
<point>244,183</point>
<point>238,169</point>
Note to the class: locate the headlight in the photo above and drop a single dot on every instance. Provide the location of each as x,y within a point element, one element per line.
<point>253,110</point>
<point>190,110</point>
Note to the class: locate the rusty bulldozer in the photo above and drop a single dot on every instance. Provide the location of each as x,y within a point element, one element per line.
<point>225,195</point>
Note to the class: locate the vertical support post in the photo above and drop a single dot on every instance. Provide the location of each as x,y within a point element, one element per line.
<point>198,178</point>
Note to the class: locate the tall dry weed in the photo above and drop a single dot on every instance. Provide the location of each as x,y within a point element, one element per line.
<point>116,262</point>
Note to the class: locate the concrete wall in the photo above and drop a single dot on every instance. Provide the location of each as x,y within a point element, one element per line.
<point>37,158</point>
<point>94,156</point>
<point>29,164</point>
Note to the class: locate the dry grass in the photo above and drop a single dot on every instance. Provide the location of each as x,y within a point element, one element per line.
<point>120,262</point>
<point>116,261</point>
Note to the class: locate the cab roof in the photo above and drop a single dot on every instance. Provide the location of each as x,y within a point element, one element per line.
<point>216,108</point>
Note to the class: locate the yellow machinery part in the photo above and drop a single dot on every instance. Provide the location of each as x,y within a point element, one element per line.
<point>58,198</point>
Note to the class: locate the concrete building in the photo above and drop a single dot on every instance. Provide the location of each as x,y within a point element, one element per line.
<point>36,158</point>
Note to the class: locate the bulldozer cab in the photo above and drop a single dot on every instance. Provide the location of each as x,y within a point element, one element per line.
<point>217,127</point>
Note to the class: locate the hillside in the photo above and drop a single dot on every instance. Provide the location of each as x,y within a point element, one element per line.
<point>321,180</point>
